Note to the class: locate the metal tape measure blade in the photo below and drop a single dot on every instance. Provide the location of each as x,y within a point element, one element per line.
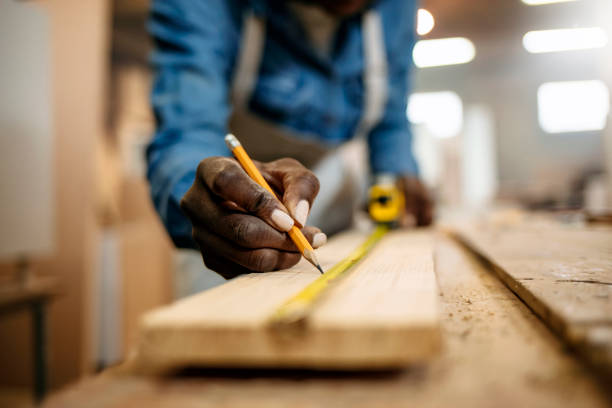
<point>296,309</point>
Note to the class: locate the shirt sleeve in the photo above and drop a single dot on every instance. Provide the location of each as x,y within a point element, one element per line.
<point>390,141</point>
<point>196,43</point>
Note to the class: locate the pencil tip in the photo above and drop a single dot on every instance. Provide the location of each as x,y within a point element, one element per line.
<point>312,258</point>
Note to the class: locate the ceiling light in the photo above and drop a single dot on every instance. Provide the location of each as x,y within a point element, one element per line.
<point>425,22</point>
<point>443,51</point>
<point>573,106</point>
<point>565,39</point>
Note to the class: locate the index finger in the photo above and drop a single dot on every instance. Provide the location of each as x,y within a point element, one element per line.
<point>227,180</point>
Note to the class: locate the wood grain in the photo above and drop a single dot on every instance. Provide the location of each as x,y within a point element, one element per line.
<point>496,353</point>
<point>564,273</point>
<point>382,314</point>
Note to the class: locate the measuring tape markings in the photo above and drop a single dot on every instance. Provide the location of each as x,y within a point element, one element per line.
<point>296,309</point>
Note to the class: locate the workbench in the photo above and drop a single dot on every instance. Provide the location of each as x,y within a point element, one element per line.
<point>495,352</point>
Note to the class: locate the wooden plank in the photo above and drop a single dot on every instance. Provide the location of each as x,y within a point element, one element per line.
<point>496,353</point>
<point>382,314</point>
<point>564,273</point>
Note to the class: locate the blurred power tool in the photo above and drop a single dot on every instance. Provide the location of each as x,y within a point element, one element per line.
<point>386,203</point>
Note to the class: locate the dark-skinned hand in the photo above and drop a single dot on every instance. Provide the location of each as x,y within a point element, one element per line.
<point>239,226</point>
<point>419,206</point>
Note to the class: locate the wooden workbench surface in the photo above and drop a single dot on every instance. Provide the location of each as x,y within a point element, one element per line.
<point>496,352</point>
<point>562,271</point>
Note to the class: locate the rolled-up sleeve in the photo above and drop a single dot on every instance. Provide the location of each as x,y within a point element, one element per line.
<point>195,47</point>
<point>390,142</point>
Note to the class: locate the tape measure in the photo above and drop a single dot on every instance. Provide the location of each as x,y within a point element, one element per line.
<point>386,205</point>
<point>295,310</point>
<point>386,202</point>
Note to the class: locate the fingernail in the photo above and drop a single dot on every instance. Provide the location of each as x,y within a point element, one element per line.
<point>319,239</point>
<point>282,220</point>
<point>301,212</point>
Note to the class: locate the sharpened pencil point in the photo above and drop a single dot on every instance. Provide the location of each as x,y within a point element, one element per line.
<point>312,258</point>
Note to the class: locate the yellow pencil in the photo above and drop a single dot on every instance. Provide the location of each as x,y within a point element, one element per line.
<point>247,164</point>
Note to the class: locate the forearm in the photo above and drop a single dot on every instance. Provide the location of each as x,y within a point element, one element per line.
<point>391,151</point>
<point>172,163</point>
<point>196,44</point>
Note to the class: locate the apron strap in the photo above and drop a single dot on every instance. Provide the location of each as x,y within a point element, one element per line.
<point>375,74</point>
<point>374,77</point>
<point>249,60</point>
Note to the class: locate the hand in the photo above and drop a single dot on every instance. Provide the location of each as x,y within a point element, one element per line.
<point>419,206</point>
<point>239,226</point>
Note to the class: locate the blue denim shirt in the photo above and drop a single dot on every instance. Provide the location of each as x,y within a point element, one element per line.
<point>196,47</point>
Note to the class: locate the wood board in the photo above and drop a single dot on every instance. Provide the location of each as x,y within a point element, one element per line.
<point>496,353</point>
<point>382,314</point>
<point>563,272</point>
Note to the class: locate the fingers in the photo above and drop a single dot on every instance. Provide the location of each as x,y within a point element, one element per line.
<point>314,235</point>
<point>224,267</point>
<point>250,232</point>
<point>419,206</point>
<point>408,219</point>
<point>238,225</point>
<point>426,214</point>
<point>258,260</point>
<point>242,229</point>
<point>230,260</point>
<point>228,181</point>
<point>424,205</point>
<point>299,185</point>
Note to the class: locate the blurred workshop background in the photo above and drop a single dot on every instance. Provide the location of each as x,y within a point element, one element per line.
<point>511,104</point>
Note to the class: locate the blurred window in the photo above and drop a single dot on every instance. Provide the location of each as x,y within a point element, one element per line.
<point>443,51</point>
<point>440,112</point>
<point>573,106</point>
<point>565,39</point>
<point>540,2</point>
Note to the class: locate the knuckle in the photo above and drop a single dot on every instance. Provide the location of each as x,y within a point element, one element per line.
<point>223,178</point>
<point>287,261</point>
<point>214,170</point>
<point>288,162</point>
<point>206,166</point>
<point>188,209</point>
<point>305,183</point>
<point>193,204</point>
<point>262,260</point>
<point>185,203</point>
<point>251,234</point>
<point>310,181</point>
<point>202,166</point>
<point>261,200</point>
<point>242,233</point>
